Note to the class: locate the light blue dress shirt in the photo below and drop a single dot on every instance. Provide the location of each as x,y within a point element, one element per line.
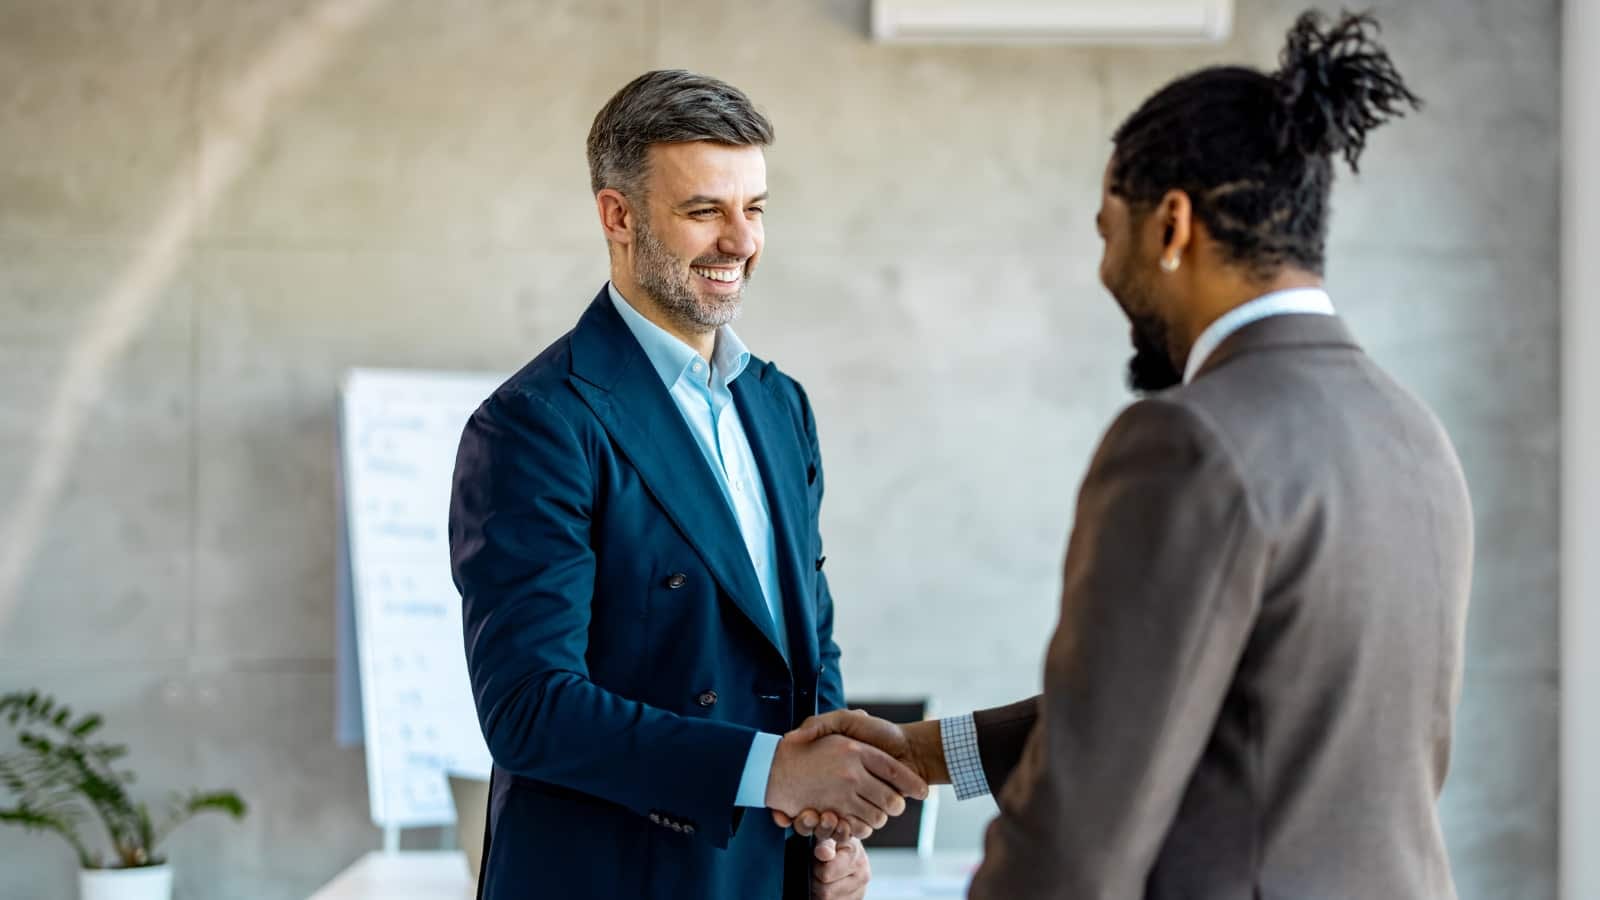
<point>1302,301</point>
<point>959,734</point>
<point>703,395</point>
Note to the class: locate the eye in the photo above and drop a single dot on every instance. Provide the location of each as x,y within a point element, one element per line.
<point>756,210</point>
<point>702,213</point>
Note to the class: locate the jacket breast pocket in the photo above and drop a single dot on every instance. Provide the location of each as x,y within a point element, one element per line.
<point>681,617</point>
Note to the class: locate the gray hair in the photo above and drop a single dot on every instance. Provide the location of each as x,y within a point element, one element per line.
<point>667,106</point>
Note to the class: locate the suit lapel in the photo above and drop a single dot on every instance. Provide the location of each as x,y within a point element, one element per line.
<point>616,380</point>
<point>776,445</point>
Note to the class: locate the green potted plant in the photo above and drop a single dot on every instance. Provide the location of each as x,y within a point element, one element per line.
<point>60,778</point>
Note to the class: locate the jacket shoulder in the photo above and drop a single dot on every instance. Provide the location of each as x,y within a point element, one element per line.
<point>782,385</point>
<point>541,392</point>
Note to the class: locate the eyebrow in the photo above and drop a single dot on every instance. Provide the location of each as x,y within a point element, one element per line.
<point>703,200</point>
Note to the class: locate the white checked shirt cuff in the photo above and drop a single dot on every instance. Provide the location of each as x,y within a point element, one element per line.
<point>959,735</point>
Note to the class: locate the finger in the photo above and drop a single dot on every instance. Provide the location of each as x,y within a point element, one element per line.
<point>898,775</point>
<point>781,819</point>
<point>882,799</point>
<point>829,826</point>
<point>846,849</point>
<point>838,866</point>
<point>851,887</point>
<point>806,823</point>
<point>826,850</point>
<point>866,806</point>
<point>858,829</point>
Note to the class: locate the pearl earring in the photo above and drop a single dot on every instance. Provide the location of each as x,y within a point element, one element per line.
<point>1170,264</point>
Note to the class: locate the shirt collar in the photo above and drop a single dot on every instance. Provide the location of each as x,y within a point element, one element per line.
<point>1305,301</point>
<point>671,357</point>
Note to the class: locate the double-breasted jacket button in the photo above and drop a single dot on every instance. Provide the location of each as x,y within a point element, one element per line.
<point>707,699</point>
<point>676,580</point>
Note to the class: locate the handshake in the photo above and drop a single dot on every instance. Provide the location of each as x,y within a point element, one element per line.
<point>843,774</point>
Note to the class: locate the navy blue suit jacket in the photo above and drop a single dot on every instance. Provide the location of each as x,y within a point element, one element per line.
<point>621,653</point>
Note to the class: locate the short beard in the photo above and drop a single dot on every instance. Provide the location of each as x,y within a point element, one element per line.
<point>1151,369</point>
<point>670,283</point>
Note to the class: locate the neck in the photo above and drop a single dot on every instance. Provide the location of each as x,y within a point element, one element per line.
<point>1234,293</point>
<point>703,342</point>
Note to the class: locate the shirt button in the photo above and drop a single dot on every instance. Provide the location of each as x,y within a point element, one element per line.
<point>707,699</point>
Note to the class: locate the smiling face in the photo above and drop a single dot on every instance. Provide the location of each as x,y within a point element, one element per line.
<point>697,232</point>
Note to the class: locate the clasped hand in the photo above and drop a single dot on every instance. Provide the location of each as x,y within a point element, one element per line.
<point>843,774</point>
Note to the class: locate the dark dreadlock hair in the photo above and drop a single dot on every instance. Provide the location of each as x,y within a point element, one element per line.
<point>1254,150</point>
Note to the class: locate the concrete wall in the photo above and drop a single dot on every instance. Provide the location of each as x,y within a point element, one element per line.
<point>930,275</point>
<point>1580,582</point>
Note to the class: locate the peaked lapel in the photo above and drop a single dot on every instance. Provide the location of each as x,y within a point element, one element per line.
<point>770,428</point>
<point>615,378</point>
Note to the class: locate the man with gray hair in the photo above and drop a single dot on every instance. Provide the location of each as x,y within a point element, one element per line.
<point>634,532</point>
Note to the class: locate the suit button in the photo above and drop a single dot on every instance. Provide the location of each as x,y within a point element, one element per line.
<point>676,580</point>
<point>709,698</point>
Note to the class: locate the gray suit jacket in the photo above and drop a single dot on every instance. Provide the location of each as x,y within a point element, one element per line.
<point>1250,691</point>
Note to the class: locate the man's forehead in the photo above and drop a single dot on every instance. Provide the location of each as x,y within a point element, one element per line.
<point>706,163</point>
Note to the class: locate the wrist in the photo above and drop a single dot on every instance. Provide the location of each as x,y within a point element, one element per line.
<point>927,751</point>
<point>780,764</point>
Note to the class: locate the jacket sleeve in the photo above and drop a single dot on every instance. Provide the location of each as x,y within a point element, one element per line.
<point>1002,733</point>
<point>520,514</point>
<point>1162,585</point>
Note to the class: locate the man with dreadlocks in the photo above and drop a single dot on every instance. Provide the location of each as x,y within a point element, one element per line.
<point>1251,688</point>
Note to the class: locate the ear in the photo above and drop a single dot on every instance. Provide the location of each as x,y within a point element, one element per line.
<point>1175,217</point>
<point>617,215</point>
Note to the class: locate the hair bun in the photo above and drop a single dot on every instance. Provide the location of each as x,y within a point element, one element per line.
<point>1336,84</point>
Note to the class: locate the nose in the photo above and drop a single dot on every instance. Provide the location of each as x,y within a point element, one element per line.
<point>740,237</point>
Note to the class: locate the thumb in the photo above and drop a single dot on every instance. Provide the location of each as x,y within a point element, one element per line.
<point>826,850</point>
<point>813,728</point>
<point>820,726</point>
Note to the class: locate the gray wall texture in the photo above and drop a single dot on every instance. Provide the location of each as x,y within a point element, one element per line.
<point>929,275</point>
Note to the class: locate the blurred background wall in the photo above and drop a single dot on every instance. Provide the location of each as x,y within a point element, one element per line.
<point>418,198</point>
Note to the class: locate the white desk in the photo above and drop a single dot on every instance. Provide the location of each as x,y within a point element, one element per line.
<point>412,875</point>
<point>442,875</point>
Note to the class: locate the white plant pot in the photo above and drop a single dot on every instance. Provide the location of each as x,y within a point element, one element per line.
<point>143,883</point>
